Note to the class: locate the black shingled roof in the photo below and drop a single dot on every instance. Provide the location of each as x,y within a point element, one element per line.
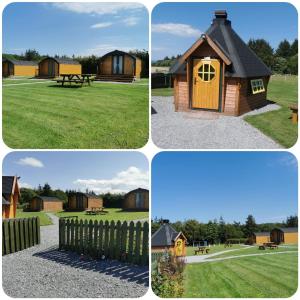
<point>288,229</point>
<point>164,236</point>
<point>245,63</point>
<point>64,61</point>
<point>7,184</point>
<point>137,190</point>
<point>20,62</point>
<point>265,233</point>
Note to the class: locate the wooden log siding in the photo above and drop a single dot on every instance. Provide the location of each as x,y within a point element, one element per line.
<point>19,234</point>
<point>115,240</point>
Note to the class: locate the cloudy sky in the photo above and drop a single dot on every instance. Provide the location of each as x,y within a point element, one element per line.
<point>207,185</point>
<point>98,171</point>
<point>176,26</point>
<point>74,28</point>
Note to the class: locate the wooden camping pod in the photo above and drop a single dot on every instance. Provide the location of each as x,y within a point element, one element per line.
<point>11,67</point>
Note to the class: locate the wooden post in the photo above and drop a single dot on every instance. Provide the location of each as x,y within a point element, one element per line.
<point>81,236</point>
<point>38,230</point>
<point>137,250</point>
<point>112,245</point>
<point>106,238</point>
<point>145,248</point>
<point>22,233</point>
<point>34,231</point>
<point>95,239</point>
<point>100,238</point>
<point>76,242</point>
<point>17,234</point>
<point>26,236</point>
<point>130,242</point>
<point>90,237</point>
<point>118,241</point>
<point>124,241</point>
<point>72,243</point>
<point>85,234</point>
<point>6,236</point>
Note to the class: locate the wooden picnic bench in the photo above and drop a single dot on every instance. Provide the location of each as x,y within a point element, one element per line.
<point>202,250</point>
<point>95,211</point>
<point>75,78</point>
<point>294,109</point>
<point>270,245</point>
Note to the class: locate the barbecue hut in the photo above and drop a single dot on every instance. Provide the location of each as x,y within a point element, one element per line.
<point>54,67</point>
<point>13,67</point>
<point>261,237</point>
<point>46,204</point>
<point>219,72</point>
<point>83,201</point>
<point>119,66</point>
<point>10,196</point>
<point>166,238</point>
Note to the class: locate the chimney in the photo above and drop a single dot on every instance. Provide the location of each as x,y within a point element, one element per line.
<point>221,14</point>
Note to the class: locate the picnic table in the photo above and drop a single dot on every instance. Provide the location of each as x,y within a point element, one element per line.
<point>95,211</point>
<point>202,250</point>
<point>269,245</point>
<point>75,78</point>
<point>294,109</point>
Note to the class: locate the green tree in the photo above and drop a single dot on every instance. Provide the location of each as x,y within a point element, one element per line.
<point>46,190</point>
<point>250,226</point>
<point>212,232</point>
<point>222,230</point>
<point>294,48</point>
<point>191,230</point>
<point>280,65</point>
<point>26,195</point>
<point>32,55</point>
<point>292,65</point>
<point>263,50</point>
<point>292,221</point>
<point>284,49</point>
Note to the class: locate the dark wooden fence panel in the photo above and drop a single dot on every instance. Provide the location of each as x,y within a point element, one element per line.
<point>161,80</point>
<point>114,240</point>
<point>19,234</point>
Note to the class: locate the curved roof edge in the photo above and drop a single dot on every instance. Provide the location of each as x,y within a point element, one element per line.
<point>119,52</point>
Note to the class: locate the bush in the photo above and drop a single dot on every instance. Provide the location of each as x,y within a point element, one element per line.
<point>167,276</point>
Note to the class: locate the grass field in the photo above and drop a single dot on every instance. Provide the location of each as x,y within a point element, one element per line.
<point>115,214</point>
<point>213,249</point>
<point>277,124</point>
<point>44,115</point>
<point>44,219</point>
<point>261,276</point>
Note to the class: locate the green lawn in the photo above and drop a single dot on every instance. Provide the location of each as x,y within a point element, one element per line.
<point>277,124</point>
<point>105,115</point>
<point>261,276</point>
<point>255,250</point>
<point>115,214</point>
<point>213,249</point>
<point>165,92</point>
<point>44,219</point>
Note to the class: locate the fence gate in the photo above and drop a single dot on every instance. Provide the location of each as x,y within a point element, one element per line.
<point>114,240</point>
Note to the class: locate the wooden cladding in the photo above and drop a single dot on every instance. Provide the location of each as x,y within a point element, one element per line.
<point>19,234</point>
<point>115,240</point>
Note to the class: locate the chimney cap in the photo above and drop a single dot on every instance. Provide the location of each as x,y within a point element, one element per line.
<point>221,14</point>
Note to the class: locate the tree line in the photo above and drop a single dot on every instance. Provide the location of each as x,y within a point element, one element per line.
<point>282,60</point>
<point>109,200</point>
<point>218,231</point>
<point>89,63</point>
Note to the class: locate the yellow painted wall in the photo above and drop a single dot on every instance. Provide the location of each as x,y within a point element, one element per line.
<point>25,70</point>
<point>262,239</point>
<point>291,238</point>
<point>69,69</point>
<point>105,65</point>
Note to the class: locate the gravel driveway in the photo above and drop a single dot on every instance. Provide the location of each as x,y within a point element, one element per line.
<point>205,130</point>
<point>43,271</point>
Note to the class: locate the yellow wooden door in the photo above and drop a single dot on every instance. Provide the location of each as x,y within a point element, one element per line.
<point>206,84</point>
<point>179,247</point>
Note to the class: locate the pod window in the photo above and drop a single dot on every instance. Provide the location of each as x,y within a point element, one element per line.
<point>206,72</point>
<point>257,86</point>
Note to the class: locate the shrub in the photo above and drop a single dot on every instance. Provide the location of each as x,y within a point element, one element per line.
<point>167,276</point>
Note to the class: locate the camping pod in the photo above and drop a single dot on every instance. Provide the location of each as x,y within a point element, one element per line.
<point>119,66</point>
<point>261,237</point>
<point>167,239</point>
<point>46,204</point>
<point>288,235</point>
<point>83,201</point>
<point>136,200</point>
<point>54,67</point>
<point>12,67</point>
<point>220,73</point>
<point>10,196</point>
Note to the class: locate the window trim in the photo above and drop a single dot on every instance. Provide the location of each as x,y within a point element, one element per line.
<point>257,86</point>
<point>211,73</point>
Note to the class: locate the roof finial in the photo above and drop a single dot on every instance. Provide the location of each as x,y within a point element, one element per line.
<point>221,14</point>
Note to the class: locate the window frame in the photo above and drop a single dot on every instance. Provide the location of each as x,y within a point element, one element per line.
<point>211,72</point>
<point>257,86</point>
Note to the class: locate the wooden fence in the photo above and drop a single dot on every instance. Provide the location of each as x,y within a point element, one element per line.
<point>120,241</point>
<point>19,234</point>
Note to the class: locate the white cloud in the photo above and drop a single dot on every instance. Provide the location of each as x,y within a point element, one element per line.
<point>288,160</point>
<point>131,21</point>
<point>123,182</point>
<point>177,29</point>
<point>101,25</point>
<point>97,8</point>
<point>30,161</point>
<point>25,185</point>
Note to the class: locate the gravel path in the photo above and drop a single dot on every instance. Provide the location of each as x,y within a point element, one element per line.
<point>205,130</point>
<point>43,271</point>
<point>240,256</point>
<point>196,258</point>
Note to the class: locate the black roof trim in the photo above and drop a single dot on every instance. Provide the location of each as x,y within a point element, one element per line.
<point>63,61</point>
<point>20,62</point>
<point>118,52</point>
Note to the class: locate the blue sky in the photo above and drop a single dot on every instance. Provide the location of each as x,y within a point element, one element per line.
<point>207,185</point>
<point>176,26</point>
<point>74,28</point>
<point>98,171</point>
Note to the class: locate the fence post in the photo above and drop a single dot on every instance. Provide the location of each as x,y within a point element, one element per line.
<point>38,230</point>
<point>81,236</point>
<point>137,252</point>
<point>90,238</point>
<point>76,244</point>
<point>112,239</point>
<point>30,232</point>
<point>95,239</point>
<point>124,241</point>
<point>26,233</point>
<point>12,236</point>
<point>130,242</point>
<point>5,236</point>
<point>118,240</point>
<point>72,235</point>
<point>33,231</point>
<point>85,238</point>
<point>106,238</point>
<point>100,238</point>
<point>17,234</point>
<point>145,248</point>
